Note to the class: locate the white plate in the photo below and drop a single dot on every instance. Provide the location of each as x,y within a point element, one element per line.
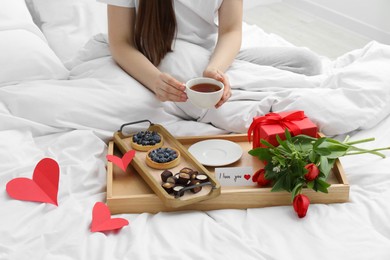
<point>216,152</point>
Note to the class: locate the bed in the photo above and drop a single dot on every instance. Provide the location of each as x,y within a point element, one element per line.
<point>62,97</point>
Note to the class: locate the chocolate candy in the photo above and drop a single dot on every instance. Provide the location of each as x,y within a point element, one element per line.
<point>184,178</point>
<point>174,183</point>
<point>168,187</point>
<point>165,175</point>
<point>177,189</point>
<point>202,177</point>
<point>197,188</point>
<point>171,180</point>
<point>186,170</point>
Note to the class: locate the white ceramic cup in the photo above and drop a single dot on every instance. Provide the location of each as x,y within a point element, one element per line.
<point>203,99</point>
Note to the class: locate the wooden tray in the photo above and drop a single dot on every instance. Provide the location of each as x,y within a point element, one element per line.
<point>152,177</point>
<point>128,193</point>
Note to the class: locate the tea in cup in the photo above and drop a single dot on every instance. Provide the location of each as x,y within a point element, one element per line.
<point>204,92</point>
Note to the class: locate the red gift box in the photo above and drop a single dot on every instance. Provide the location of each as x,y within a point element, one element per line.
<point>269,126</point>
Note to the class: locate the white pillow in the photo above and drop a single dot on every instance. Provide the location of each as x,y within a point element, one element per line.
<point>69,24</point>
<point>24,56</point>
<point>24,53</point>
<point>14,12</point>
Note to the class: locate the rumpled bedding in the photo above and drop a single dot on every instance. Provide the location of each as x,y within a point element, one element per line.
<point>72,120</point>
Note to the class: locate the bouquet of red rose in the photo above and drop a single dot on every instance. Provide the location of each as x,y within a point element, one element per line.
<point>302,161</point>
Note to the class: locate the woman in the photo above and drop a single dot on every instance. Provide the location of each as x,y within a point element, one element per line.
<point>142,32</point>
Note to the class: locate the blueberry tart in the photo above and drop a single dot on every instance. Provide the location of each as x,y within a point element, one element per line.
<point>146,140</point>
<point>163,158</point>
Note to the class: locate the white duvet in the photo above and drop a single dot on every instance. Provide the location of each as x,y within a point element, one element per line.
<point>72,120</point>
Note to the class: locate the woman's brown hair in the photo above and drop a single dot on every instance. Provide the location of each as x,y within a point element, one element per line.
<point>155,28</point>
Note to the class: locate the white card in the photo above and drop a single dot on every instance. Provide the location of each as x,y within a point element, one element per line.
<point>235,176</point>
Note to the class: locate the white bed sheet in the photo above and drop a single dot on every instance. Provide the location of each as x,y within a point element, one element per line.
<point>72,120</point>
<point>358,229</point>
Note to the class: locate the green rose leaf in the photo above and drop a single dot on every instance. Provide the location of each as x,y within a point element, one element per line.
<point>263,154</point>
<point>286,162</point>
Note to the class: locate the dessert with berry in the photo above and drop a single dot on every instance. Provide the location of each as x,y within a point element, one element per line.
<point>146,140</point>
<point>163,158</point>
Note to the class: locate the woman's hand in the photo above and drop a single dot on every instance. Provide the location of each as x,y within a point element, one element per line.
<point>228,44</point>
<point>121,23</point>
<point>220,76</point>
<point>167,88</point>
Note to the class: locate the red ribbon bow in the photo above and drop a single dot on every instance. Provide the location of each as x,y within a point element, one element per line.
<point>275,119</point>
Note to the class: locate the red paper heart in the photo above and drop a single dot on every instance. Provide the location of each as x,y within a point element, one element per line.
<point>122,162</point>
<point>247,176</point>
<point>43,187</point>
<point>102,221</point>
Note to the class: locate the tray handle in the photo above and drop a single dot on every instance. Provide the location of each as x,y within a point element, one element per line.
<point>180,192</point>
<point>135,122</point>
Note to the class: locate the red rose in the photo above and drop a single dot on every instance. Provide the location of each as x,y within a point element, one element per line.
<point>301,204</point>
<point>313,172</point>
<point>259,177</point>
